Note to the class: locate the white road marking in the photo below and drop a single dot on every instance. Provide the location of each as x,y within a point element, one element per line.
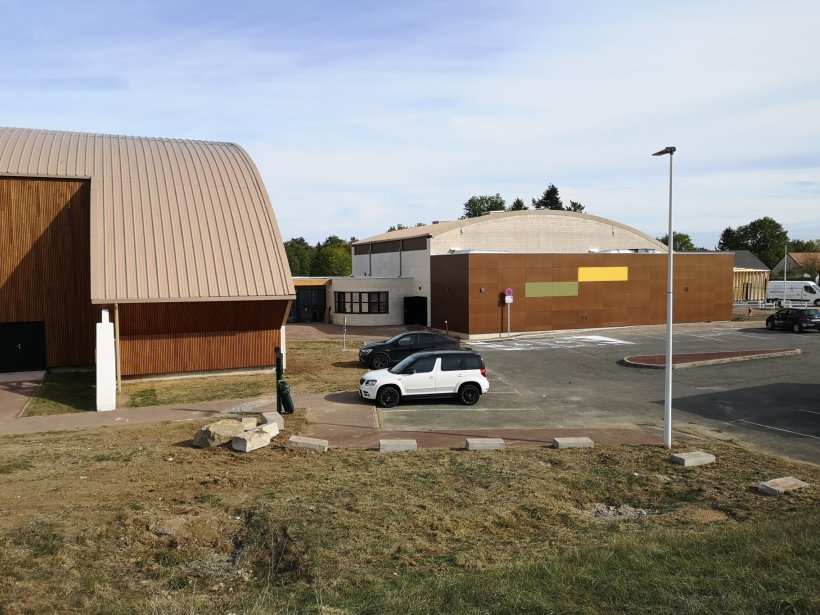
<point>809,411</point>
<point>576,341</point>
<point>797,433</point>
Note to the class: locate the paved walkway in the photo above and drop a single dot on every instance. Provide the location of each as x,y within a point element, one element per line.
<point>346,421</point>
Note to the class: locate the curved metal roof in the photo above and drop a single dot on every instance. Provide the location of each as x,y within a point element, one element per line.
<point>530,230</point>
<point>171,219</point>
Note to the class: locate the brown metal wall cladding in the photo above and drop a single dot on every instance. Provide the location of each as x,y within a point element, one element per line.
<point>44,264</point>
<point>415,243</point>
<point>703,290</point>
<point>385,246</point>
<point>186,337</point>
<point>449,277</point>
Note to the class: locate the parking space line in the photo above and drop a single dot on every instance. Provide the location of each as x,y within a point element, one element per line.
<point>797,433</point>
<point>809,411</point>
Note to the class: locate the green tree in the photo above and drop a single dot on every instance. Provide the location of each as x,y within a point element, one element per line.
<point>517,205</point>
<point>399,227</point>
<point>764,237</point>
<point>332,258</point>
<point>683,243</point>
<point>801,245</point>
<point>478,205</point>
<point>549,200</point>
<point>300,256</point>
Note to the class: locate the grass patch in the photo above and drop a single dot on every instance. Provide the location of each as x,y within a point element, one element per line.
<point>439,531</point>
<point>17,465</point>
<point>63,393</point>
<point>337,370</point>
<point>660,572</point>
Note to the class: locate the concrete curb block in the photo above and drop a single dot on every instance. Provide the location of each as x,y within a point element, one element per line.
<point>749,357</point>
<point>397,446</point>
<point>572,443</point>
<point>779,486</point>
<point>250,441</point>
<point>695,458</point>
<point>314,444</point>
<point>485,444</point>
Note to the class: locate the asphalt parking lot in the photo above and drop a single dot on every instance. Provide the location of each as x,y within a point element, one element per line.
<point>573,379</point>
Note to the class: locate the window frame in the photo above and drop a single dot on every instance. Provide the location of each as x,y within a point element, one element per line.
<point>361,302</point>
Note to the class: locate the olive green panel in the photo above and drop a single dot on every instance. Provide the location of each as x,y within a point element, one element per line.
<point>551,289</point>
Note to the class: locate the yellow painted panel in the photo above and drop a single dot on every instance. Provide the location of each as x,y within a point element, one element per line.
<point>603,274</point>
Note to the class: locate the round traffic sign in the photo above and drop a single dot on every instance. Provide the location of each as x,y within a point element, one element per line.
<point>508,292</point>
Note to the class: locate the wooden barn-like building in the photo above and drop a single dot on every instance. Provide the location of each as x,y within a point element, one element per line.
<point>177,238</point>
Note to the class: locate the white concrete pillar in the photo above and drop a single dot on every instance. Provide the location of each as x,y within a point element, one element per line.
<point>106,365</point>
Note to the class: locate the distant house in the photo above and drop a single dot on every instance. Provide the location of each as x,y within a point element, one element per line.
<point>799,266</point>
<point>177,238</point>
<point>751,277</point>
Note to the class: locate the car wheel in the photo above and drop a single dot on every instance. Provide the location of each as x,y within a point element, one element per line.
<point>770,325</point>
<point>817,302</point>
<point>380,361</point>
<point>388,397</point>
<point>468,394</point>
<point>797,328</point>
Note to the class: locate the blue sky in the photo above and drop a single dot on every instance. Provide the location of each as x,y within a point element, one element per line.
<point>361,115</point>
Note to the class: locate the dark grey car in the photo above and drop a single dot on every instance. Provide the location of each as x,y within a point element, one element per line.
<point>794,319</point>
<point>379,355</point>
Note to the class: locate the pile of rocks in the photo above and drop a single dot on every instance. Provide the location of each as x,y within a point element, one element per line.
<point>244,435</point>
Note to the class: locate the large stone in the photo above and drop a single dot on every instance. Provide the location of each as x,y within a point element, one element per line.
<point>218,433</point>
<point>314,444</point>
<point>779,486</point>
<point>695,458</point>
<point>397,446</point>
<point>271,429</point>
<point>573,443</point>
<point>248,422</point>
<point>273,417</point>
<point>250,441</point>
<point>484,444</point>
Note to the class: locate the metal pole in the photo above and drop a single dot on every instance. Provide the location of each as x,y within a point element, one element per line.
<point>667,395</point>
<point>508,320</point>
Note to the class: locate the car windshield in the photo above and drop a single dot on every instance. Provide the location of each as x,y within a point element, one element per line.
<point>403,365</point>
<point>812,312</point>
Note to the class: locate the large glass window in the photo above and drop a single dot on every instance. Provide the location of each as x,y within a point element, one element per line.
<point>361,302</point>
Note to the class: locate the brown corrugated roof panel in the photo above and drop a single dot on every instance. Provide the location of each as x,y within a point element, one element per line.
<point>171,219</point>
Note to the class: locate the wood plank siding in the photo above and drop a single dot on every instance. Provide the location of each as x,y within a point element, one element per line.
<point>44,264</point>
<point>163,338</point>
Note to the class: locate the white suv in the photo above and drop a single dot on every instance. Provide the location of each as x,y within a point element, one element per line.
<point>435,373</point>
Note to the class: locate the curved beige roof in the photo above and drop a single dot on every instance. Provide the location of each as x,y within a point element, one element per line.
<point>171,219</point>
<point>531,230</point>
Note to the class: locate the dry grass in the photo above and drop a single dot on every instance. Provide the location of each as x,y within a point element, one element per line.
<point>126,520</point>
<point>312,367</point>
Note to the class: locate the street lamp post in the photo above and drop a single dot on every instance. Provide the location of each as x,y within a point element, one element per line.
<point>667,393</point>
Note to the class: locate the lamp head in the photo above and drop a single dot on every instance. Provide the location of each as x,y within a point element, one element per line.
<point>667,150</point>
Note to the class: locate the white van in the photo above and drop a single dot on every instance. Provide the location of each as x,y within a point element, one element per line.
<point>795,290</point>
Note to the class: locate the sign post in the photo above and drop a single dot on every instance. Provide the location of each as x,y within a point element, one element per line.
<point>508,299</point>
